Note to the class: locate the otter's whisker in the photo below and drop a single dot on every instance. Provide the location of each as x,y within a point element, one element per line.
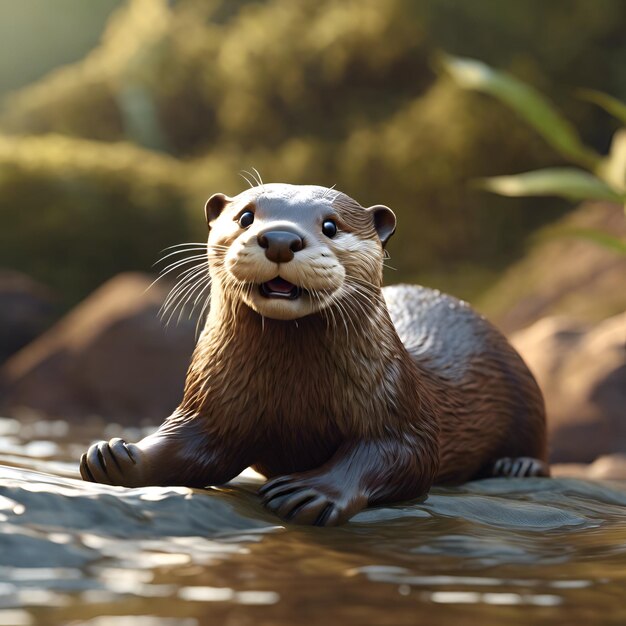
<point>180,251</point>
<point>328,191</point>
<point>178,266</point>
<point>326,310</point>
<point>360,291</point>
<point>202,279</point>
<point>200,248</point>
<point>252,176</point>
<point>244,293</point>
<point>363,287</point>
<point>344,303</point>
<point>197,259</point>
<point>171,308</point>
<point>187,243</point>
<point>252,185</point>
<point>199,297</point>
<point>237,289</point>
<point>198,289</point>
<point>315,295</point>
<point>258,177</point>
<point>184,298</point>
<point>203,311</point>
<point>337,304</point>
<point>365,283</point>
<point>192,278</point>
<point>185,273</point>
<point>352,302</point>
<point>177,291</point>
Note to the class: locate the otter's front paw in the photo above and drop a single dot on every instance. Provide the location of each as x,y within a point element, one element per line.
<point>113,463</point>
<point>309,500</point>
<point>520,466</point>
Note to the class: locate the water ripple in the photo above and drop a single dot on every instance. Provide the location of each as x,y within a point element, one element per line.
<point>539,550</point>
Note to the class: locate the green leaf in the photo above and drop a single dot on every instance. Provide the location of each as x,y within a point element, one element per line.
<point>589,234</point>
<point>526,102</point>
<point>566,182</point>
<point>611,105</point>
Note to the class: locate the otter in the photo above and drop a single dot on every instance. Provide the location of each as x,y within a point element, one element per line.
<point>342,393</point>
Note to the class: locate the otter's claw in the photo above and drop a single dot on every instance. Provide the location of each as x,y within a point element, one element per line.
<point>302,500</point>
<point>111,463</point>
<point>520,466</point>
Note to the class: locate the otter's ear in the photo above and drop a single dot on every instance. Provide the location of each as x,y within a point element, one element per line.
<point>384,222</point>
<point>214,206</point>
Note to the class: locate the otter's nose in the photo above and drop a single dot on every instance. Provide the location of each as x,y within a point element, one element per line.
<point>280,244</point>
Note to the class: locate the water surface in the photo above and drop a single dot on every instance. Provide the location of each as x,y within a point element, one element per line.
<point>495,552</point>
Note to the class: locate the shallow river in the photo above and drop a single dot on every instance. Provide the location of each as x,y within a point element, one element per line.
<point>522,551</point>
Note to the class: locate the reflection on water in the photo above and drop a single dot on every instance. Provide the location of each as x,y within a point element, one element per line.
<point>490,552</point>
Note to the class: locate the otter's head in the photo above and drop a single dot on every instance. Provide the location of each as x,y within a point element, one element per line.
<point>289,251</point>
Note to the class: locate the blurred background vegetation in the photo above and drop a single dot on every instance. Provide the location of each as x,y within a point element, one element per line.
<point>119,118</point>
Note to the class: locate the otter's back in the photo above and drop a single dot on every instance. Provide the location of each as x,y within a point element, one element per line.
<point>440,332</point>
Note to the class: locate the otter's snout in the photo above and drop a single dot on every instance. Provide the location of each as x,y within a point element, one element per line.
<point>280,244</point>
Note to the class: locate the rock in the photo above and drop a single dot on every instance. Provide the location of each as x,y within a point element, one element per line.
<point>607,467</point>
<point>26,309</point>
<point>110,357</point>
<point>569,470</point>
<point>563,274</point>
<point>582,372</point>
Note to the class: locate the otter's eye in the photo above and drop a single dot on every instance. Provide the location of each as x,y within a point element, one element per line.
<point>329,228</point>
<point>246,218</point>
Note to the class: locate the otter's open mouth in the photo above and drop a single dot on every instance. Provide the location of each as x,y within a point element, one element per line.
<point>280,288</point>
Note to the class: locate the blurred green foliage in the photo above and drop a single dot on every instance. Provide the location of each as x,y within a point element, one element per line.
<point>603,178</point>
<point>37,36</point>
<point>79,212</point>
<point>316,91</point>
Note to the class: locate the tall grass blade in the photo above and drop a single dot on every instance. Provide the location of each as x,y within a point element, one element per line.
<point>526,101</point>
<point>566,182</point>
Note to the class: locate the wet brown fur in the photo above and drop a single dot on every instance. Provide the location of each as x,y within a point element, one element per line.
<point>334,404</point>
